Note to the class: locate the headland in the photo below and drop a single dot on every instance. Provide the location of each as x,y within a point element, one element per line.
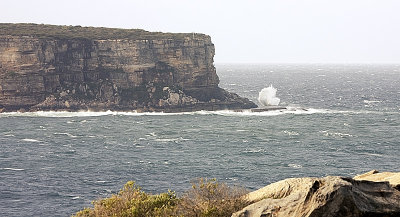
<point>49,67</point>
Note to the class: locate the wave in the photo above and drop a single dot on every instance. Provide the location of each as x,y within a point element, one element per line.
<point>373,154</point>
<point>67,114</point>
<point>30,140</point>
<point>371,101</point>
<point>252,150</point>
<point>291,133</point>
<point>66,134</point>
<point>297,166</point>
<point>13,169</point>
<point>288,110</point>
<point>171,139</point>
<point>336,134</point>
<point>60,114</point>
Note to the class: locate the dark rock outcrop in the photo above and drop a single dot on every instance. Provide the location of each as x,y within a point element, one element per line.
<point>331,196</point>
<point>44,67</point>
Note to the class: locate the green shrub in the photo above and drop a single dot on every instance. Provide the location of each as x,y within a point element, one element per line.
<point>206,198</point>
<point>131,201</point>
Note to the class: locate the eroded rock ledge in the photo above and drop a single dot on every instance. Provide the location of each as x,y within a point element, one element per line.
<point>370,194</point>
<point>46,67</point>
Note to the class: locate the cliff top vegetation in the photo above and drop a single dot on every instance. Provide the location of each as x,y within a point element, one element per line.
<point>43,31</point>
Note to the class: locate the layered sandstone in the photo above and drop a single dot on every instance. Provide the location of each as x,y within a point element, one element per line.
<point>45,67</point>
<point>371,194</point>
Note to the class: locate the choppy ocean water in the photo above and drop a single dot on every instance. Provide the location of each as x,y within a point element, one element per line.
<point>343,120</point>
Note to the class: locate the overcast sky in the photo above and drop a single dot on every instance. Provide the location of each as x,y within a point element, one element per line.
<point>253,31</point>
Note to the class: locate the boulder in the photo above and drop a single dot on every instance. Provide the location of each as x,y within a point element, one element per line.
<point>372,194</point>
<point>376,176</point>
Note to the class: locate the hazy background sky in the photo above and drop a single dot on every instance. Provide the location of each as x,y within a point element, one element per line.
<point>253,31</point>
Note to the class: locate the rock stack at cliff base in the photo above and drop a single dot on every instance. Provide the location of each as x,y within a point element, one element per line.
<point>372,194</point>
<point>47,67</point>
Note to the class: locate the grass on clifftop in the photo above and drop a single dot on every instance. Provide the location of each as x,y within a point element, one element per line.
<point>205,198</point>
<point>90,33</point>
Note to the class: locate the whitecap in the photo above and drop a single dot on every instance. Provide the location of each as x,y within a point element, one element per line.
<point>373,154</point>
<point>170,139</point>
<point>30,140</point>
<point>66,134</point>
<point>166,140</point>
<point>13,169</point>
<point>336,134</point>
<point>152,134</point>
<point>371,101</point>
<point>254,150</point>
<point>295,166</point>
<point>248,112</point>
<point>291,133</point>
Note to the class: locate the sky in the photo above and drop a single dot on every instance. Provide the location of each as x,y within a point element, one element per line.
<point>253,31</point>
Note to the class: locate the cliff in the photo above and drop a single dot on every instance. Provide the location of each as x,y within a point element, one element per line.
<point>370,194</point>
<point>46,67</point>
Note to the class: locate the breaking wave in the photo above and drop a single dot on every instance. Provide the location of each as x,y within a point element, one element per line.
<point>267,96</point>
<point>245,112</point>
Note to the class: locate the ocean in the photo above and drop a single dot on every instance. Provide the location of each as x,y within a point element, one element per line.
<point>341,120</point>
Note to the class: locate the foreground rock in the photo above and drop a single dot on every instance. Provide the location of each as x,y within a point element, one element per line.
<point>46,67</point>
<point>370,194</point>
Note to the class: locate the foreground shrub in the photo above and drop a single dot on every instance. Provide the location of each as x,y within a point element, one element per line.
<point>206,198</point>
<point>211,198</point>
<point>131,201</point>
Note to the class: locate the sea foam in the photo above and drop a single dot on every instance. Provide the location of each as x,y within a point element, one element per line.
<point>289,110</point>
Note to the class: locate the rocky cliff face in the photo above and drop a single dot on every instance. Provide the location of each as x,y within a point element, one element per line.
<point>165,72</point>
